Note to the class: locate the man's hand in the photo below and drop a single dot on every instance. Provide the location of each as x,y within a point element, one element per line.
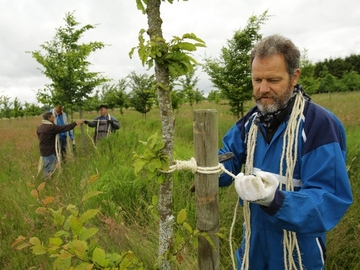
<point>110,121</point>
<point>78,122</point>
<point>258,189</point>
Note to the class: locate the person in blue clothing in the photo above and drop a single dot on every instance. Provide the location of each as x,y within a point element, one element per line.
<point>65,138</point>
<point>290,166</point>
<point>104,124</point>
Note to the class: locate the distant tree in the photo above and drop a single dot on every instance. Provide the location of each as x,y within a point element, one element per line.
<point>93,102</point>
<point>5,107</point>
<point>31,109</point>
<point>338,66</point>
<point>215,96</point>
<point>327,82</point>
<point>142,94</point>
<point>177,99</point>
<point>17,109</point>
<point>115,96</point>
<point>231,73</point>
<point>26,109</point>
<point>351,80</point>
<point>307,79</point>
<point>354,63</point>
<point>188,86</point>
<point>65,64</point>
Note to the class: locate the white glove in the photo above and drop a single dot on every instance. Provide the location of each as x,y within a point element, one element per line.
<point>258,189</point>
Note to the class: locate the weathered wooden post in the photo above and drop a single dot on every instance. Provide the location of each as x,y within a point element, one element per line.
<point>206,187</point>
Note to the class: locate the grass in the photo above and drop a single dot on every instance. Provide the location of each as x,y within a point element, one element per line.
<point>125,222</point>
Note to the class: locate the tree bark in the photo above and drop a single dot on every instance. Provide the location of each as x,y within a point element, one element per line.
<point>164,97</point>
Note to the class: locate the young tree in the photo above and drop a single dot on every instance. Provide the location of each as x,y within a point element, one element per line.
<point>170,59</point>
<point>65,64</point>
<point>5,108</point>
<point>17,109</point>
<point>142,94</point>
<point>115,96</point>
<point>231,73</point>
<point>188,84</point>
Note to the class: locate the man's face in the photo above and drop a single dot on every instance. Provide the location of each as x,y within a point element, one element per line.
<point>58,109</point>
<point>272,85</point>
<point>52,118</point>
<point>103,111</point>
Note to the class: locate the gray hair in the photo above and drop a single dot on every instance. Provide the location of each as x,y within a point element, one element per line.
<point>276,44</point>
<point>47,115</point>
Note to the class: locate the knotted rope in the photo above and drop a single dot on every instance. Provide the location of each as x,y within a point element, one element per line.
<point>191,165</point>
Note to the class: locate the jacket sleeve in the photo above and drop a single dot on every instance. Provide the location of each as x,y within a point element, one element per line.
<point>93,123</point>
<point>233,142</point>
<point>59,129</point>
<point>115,124</point>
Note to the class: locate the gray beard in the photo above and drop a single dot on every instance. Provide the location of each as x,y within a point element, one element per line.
<point>279,103</point>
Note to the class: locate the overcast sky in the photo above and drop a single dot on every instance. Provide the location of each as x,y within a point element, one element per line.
<point>327,29</point>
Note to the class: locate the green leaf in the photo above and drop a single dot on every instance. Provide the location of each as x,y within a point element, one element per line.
<point>80,248</point>
<point>154,200</point>
<point>87,233</point>
<point>181,217</point>
<point>55,241</point>
<point>140,6</point>
<point>99,257</point>
<point>90,194</point>
<point>186,46</point>
<point>193,37</point>
<point>138,166</point>
<point>89,214</point>
<point>61,233</point>
<point>73,209</point>
<point>84,266</point>
<point>62,262</point>
<point>58,218</point>
<point>39,249</point>
<point>34,241</point>
<point>152,140</point>
<point>187,227</point>
<point>76,225</point>
<point>154,165</point>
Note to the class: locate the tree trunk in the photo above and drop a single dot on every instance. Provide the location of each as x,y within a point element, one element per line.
<point>164,97</point>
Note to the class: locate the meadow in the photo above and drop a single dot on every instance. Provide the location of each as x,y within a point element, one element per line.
<point>125,222</point>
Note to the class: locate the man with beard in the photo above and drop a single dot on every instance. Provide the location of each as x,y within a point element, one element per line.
<point>290,166</point>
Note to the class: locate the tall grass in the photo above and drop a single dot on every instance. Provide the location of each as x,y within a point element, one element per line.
<point>125,221</point>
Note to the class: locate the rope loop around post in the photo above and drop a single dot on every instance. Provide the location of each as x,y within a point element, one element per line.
<point>191,165</point>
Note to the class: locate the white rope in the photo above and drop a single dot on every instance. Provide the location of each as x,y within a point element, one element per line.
<point>290,145</point>
<point>191,165</point>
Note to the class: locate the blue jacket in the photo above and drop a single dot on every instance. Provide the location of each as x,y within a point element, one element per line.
<point>62,120</point>
<point>322,189</point>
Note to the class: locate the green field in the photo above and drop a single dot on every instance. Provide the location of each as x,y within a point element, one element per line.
<point>124,222</point>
